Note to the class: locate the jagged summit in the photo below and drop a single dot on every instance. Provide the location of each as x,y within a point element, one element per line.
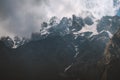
<point>79,25</point>
<point>75,25</point>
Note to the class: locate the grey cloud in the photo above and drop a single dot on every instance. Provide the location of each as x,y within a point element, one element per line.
<point>20,16</point>
<point>39,2</point>
<point>3,9</point>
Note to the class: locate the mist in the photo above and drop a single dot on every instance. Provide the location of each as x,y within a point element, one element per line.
<point>22,17</point>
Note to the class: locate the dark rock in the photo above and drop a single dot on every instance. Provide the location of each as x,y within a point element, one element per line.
<point>77,23</point>
<point>112,59</point>
<point>111,24</point>
<point>88,21</point>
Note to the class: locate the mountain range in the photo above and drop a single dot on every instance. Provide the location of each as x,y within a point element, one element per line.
<point>68,49</point>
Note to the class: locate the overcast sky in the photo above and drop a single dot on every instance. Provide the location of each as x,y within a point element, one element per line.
<point>22,17</point>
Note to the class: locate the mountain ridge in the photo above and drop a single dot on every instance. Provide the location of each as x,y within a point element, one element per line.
<point>60,51</point>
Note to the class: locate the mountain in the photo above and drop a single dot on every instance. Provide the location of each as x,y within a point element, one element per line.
<point>112,58</point>
<point>66,49</point>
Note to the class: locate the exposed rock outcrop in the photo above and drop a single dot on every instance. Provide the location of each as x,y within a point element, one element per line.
<point>112,59</point>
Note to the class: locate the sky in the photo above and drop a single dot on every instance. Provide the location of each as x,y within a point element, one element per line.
<point>22,17</point>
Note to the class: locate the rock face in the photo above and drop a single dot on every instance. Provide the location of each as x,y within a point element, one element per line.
<point>86,62</point>
<point>109,23</point>
<point>112,59</point>
<point>88,21</point>
<point>61,51</point>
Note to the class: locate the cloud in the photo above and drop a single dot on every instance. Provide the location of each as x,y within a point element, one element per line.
<point>22,17</point>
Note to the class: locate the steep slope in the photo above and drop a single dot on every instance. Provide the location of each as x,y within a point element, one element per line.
<point>86,62</point>
<point>112,59</point>
<point>90,51</point>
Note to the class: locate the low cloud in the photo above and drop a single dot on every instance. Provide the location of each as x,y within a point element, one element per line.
<point>22,17</point>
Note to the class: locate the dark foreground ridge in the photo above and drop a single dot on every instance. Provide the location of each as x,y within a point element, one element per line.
<point>112,59</point>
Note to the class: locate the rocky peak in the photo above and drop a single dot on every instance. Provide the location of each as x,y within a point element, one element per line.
<point>109,23</point>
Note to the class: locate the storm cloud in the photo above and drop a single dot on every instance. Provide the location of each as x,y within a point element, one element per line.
<point>22,17</point>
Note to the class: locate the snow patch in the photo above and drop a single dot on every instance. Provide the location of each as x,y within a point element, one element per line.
<point>87,28</point>
<point>110,34</point>
<point>77,52</point>
<point>68,67</point>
